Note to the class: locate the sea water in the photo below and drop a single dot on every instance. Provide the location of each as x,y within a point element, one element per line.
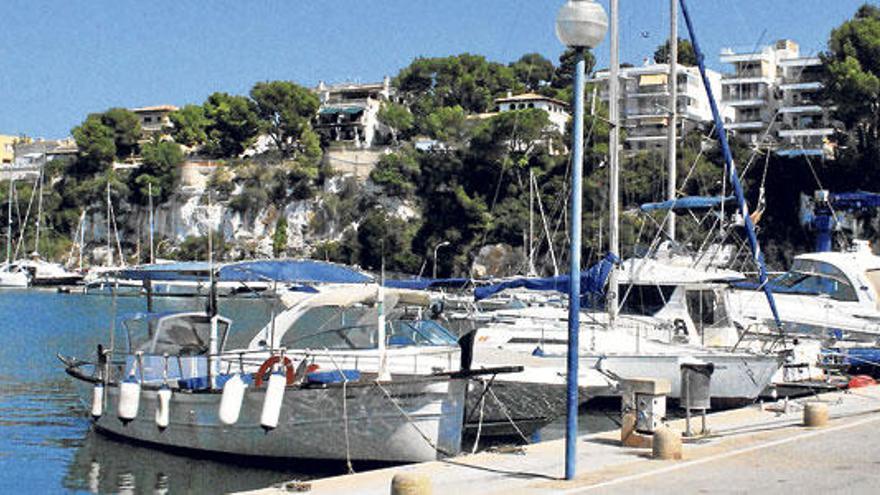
<point>46,443</point>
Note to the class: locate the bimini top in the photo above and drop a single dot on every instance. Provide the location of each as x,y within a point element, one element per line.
<point>592,281</point>
<point>287,271</point>
<point>291,271</point>
<point>688,203</point>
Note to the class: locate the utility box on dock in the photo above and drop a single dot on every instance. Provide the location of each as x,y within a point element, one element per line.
<point>645,398</point>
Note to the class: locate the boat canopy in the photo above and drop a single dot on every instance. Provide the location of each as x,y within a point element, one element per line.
<point>592,281</point>
<point>287,271</point>
<point>688,203</point>
<point>291,271</point>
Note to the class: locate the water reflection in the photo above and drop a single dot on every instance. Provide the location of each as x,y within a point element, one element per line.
<point>106,465</point>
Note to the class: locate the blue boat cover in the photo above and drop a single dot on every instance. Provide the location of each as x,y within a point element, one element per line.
<point>592,281</point>
<point>309,271</point>
<point>688,203</point>
<point>291,271</point>
<point>429,283</point>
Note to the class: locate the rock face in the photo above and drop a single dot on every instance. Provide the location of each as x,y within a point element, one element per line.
<point>498,260</point>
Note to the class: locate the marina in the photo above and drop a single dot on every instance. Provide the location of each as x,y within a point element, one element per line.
<point>233,296</point>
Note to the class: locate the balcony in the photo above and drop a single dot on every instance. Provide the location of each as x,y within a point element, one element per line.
<point>797,85</point>
<point>800,62</point>
<point>748,125</point>
<point>801,133</point>
<point>729,57</point>
<point>802,109</point>
<point>746,102</point>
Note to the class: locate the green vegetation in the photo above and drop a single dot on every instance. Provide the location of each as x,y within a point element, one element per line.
<point>472,188</point>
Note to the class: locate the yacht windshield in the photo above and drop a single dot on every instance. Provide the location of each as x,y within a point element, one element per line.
<point>175,335</point>
<point>816,277</point>
<point>357,328</point>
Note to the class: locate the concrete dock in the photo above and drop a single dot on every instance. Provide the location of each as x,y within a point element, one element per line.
<point>751,450</point>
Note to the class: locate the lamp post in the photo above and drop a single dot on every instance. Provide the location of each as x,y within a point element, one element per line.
<point>580,24</point>
<point>437,248</point>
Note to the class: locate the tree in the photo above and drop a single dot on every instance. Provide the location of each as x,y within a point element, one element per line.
<point>233,124</point>
<point>686,54</point>
<point>533,70</point>
<point>397,173</point>
<point>469,81</point>
<point>397,117</point>
<point>563,77</point>
<point>95,144</point>
<point>852,86</point>
<point>279,238</point>
<point>190,125</point>
<point>286,110</point>
<point>448,125</point>
<point>126,128</point>
<point>160,170</point>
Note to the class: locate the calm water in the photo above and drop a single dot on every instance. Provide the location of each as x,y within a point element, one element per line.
<point>46,445</point>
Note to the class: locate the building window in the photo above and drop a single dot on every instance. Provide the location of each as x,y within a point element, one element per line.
<point>531,105</point>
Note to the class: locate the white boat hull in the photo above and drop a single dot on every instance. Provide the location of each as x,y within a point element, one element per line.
<point>737,379</point>
<point>312,424</point>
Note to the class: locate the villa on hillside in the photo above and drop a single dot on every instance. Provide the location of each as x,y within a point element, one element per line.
<point>155,119</point>
<point>348,123</point>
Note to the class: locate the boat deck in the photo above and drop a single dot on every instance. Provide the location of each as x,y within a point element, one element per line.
<point>754,449</point>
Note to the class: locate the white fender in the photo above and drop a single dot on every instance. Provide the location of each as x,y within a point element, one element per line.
<point>163,407</point>
<point>272,402</point>
<point>230,401</point>
<point>129,400</point>
<point>98,400</point>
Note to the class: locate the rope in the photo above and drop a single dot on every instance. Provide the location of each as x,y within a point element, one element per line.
<point>507,415</point>
<point>411,422</point>
<point>480,423</point>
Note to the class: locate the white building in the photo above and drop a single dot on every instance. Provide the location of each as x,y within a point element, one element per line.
<point>349,113</point>
<point>644,102</point>
<point>774,92</point>
<point>557,110</point>
<point>155,119</point>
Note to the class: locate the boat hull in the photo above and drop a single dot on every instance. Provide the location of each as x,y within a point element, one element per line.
<point>428,414</point>
<point>737,379</point>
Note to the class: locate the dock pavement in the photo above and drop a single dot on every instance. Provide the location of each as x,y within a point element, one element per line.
<point>757,449</point>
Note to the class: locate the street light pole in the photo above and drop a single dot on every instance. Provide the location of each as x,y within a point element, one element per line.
<point>437,248</point>
<point>613,163</point>
<point>580,24</point>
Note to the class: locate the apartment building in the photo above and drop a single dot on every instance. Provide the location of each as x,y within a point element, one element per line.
<point>774,92</point>
<point>644,103</point>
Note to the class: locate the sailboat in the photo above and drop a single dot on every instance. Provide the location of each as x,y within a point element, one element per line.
<point>324,379</point>
<point>12,275</point>
<point>618,347</point>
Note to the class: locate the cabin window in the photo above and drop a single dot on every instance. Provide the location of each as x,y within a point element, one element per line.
<point>705,308</point>
<point>645,300</point>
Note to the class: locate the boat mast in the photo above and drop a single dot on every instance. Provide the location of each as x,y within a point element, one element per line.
<point>39,214</point>
<point>532,271</point>
<point>613,161</point>
<point>150,192</point>
<point>9,221</point>
<point>673,116</point>
<point>109,245</point>
<point>730,169</point>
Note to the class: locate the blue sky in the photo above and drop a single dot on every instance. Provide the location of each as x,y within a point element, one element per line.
<point>60,60</point>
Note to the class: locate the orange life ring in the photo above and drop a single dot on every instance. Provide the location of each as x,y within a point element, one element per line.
<point>267,366</point>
